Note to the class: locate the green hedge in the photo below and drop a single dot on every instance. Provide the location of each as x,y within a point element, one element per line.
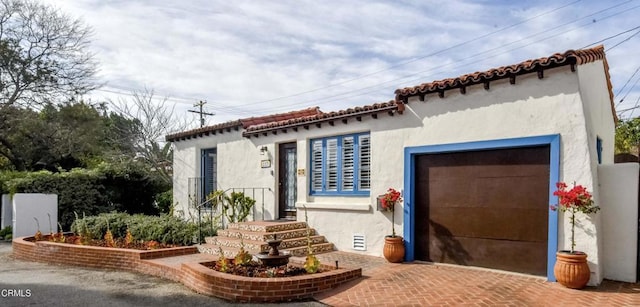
<point>165,229</point>
<point>6,233</point>
<point>126,188</point>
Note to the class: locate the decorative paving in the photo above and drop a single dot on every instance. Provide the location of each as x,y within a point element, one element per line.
<point>426,284</point>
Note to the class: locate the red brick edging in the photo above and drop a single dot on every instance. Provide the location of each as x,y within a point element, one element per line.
<point>262,290</point>
<point>91,256</point>
<point>193,274</point>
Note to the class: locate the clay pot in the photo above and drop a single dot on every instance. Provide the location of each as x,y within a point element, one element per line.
<point>571,269</point>
<point>393,249</point>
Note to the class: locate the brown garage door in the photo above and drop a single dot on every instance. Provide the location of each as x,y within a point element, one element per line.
<point>484,208</point>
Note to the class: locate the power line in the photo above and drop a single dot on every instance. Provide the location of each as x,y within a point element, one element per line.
<point>629,91</point>
<point>610,37</point>
<point>181,100</point>
<point>635,106</point>
<point>625,85</point>
<point>201,112</point>
<point>461,62</point>
<point>623,41</point>
<point>414,59</point>
<point>131,94</point>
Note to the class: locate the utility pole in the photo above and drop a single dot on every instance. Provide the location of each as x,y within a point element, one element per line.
<point>201,112</point>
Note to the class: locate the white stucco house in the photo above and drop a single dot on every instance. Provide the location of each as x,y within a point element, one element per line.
<point>476,157</point>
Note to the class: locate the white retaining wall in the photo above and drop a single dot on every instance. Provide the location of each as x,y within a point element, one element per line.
<point>28,206</point>
<point>619,215</point>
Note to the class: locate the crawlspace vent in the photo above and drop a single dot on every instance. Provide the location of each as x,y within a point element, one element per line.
<point>359,242</point>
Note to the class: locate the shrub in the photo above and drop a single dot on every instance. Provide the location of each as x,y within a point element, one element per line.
<point>164,201</point>
<point>164,229</point>
<point>5,233</point>
<point>127,188</point>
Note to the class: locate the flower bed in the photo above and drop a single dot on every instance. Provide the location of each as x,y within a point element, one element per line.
<point>200,277</point>
<point>194,275</point>
<point>26,248</point>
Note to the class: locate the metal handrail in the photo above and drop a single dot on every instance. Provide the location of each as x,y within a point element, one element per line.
<point>253,195</point>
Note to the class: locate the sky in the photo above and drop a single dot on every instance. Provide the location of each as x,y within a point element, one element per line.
<point>251,58</point>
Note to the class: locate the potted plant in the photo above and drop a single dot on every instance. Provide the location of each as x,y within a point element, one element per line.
<point>571,269</point>
<point>393,249</point>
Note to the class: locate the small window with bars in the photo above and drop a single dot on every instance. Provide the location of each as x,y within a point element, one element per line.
<point>340,165</point>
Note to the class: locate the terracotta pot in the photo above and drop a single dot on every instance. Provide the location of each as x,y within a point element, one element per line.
<point>393,249</point>
<point>572,270</point>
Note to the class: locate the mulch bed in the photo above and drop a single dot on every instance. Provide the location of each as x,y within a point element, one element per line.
<point>118,243</point>
<point>256,269</point>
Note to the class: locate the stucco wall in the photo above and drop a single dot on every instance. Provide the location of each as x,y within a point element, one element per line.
<point>238,167</point>
<point>27,206</point>
<point>599,124</point>
<point>531,107</point>
<point>619,216</point>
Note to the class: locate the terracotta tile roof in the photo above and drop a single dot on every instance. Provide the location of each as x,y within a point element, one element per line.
<point>236,124</point>
<point>321,117</point>
<point>244,123</point>
<point>571,57</point>
<point>252,121</point>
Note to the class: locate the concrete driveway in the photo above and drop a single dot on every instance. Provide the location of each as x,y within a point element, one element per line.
<point>38,284</point>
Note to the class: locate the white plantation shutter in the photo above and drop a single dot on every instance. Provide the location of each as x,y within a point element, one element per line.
<point>316,165</point>
<point>341,165</point>
<point>348,155</point>
<point>331,169</point>
<point>364,162</point>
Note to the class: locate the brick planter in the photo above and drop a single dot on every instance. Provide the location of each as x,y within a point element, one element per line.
<point>91,256</point>
<point>262,290</point>
<point>192,274</point>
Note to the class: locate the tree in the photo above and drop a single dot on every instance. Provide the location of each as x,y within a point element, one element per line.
<point>121,137</point>
<point>67,136</point>
<point>43,54</point>
<point>628,136</point>
<point>43,60</point>
<point>155,119</point>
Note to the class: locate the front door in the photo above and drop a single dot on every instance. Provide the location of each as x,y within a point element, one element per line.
<point>287,194</point>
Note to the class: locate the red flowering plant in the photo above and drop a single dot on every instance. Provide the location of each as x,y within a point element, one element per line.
<point>388,202</point>
<point>577,199</point>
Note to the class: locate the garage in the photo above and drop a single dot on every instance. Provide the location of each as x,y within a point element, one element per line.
<point>486,208</point>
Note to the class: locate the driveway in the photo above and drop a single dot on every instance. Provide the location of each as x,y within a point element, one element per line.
<point>37,284</point>
<point>383,284</point>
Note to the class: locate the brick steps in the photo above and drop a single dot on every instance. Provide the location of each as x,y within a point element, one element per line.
<point>251,245</point>
<point>264,235</point>
<point>231,252</point>
<point>253,236</point>
<point>264,226</point>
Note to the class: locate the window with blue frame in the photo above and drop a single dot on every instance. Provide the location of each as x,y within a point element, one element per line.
<point>209,171</point>
<point>599,149</point>
<point>341,165</point>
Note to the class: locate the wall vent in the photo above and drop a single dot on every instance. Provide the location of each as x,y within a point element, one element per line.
<point>359,242</point>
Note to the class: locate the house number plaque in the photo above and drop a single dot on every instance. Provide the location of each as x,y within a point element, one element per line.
<point>265,163</point>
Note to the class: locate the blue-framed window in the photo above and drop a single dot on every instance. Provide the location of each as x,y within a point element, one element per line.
<point>599,149</point>
<point>341,165</point>
<point>209,171</point>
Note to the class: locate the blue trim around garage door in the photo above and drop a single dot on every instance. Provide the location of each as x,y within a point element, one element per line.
<point>410,154</point>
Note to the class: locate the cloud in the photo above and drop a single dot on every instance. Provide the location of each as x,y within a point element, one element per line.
<point>251,58</point>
